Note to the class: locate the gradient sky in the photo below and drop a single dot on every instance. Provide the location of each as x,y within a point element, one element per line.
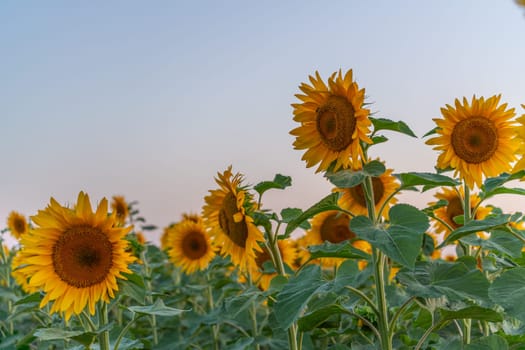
<point>150,100</point>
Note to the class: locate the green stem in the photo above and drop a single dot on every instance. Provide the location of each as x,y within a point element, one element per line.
<point>467,323</point>
<point>397,314</point>
<point>103,337</point>
<point>365,298</point>
<point>214,327</point>
<point>427,333</point>
<point>124,331</point>
<point>149,299</point>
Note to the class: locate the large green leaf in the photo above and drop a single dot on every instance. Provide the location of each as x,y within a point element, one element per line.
<point>493,183</point>
<point>428,180</point>
<point>290,214</point>
<point>500,241</point>
<point>279,182</point>
<point>314,318</point>
<point>55,333</point>
<point>133,287</point>
<point>471,312</point>
<point>158,309</point>
<point>327,203</point>
<point>401,239</point>
<point>348,178</point>
<point>508,291</point>
<point>489,223</point>
<point>292,300</point>
<point>457,280</point>
<point>336,250</point>
<point>387,124</point>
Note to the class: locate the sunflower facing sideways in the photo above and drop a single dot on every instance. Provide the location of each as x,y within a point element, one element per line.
<point>189,246</point>
<point>333,122</point>
<point>288,255</point>
<point>75,256</point>
<point>353,199</point>
<point>476,139</point>
<point>520,131</point>
<point>226,214</point>
<point>120,207</point>
<point>17,224</point>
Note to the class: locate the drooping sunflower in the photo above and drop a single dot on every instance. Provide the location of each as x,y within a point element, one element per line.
<point>75,256</point>
<point>17,224</point>
<point>189,246</point>
<point>476,139</point>
<point>333,121</point>
<point>455,198</point>
<point>288,254</point>
<point>120,207</point>
<point>329,226</point>
<point>226,214</point>
<point>353,199</point>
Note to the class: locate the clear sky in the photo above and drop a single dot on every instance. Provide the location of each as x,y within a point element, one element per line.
<point>150,99</point>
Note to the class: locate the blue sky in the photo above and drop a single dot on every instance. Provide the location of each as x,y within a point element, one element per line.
<point>150,101</point>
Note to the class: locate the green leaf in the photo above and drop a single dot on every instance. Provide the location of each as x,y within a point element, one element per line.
<point>387,124</point>
<point>55,333</point>
<point>428,180</point>
<point>379,139</point>
<point>158,309</point>
<point>492,342</point>
<point>458,280</point>
<point>500,241</point>
<point>295,295</point>
<point>401,240</point>
<point>471,312</point>
<point>327,203</point>
<point>133,287</point>
<point>262,219</point>
<point>508,289</point>
<point>279,182</point>
<point>234,305</point>
<point>493,183</point>
<point>489,223</point>
<point>290,214</point>
<point>148,227</point>
<point>348,178</point>
<point>31,298</point>
<point>336,250</point>
<point>314,318</point>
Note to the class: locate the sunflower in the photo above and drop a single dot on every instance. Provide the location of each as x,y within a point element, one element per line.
<point>455,198</point>
<point>333,122</point>
<point>75,255</point>
<point>329,226</point>
<point>17,224</point>
<point>288,254</point>
<point>18,274</point>
<point>476,139</point>
<point>353,199</point>
<point>120,207</point>
<point>226,214</point>
<point>189,246</point>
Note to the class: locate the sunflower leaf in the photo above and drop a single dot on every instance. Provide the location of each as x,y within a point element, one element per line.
<point>471,312</point>
<point>379,139</point>
<point>493,183</point>
<point>339,250</point>
<point>289,214</point>
<point>500,241</point>
<point>457,281</point>
<point>487,224</point>
<point>279,182</point>
<point>55,333</point>
<point>348,178</point>
<point>327,203</point>
<point>387,124</point>
<point>295,295</point>
<point>158,309</point>
<point>400,240</point>
<point>491,342</point>
<point>507,291</point>
<point>314,318</point>
<point>428,180</point>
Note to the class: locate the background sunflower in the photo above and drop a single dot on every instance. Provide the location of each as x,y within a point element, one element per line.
<point>17,224</point>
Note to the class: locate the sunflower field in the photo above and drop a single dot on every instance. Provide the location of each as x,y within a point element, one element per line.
<point>358,270</point>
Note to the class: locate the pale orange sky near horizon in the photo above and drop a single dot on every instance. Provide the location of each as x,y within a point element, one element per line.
<point>150,102</point>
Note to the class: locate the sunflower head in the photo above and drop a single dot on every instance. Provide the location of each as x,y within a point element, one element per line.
<point>21,278</point>
<point>330,226</point>
<point>189,246</point>
<point>476,139</point>
<point>226,213</point>
<point>288,255</point>
<point>384,186</point>
<point>454,207</point>
<point>121,208</point>
<point>75,256</point>
<point>333,122</point>
<point>17,224</point>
